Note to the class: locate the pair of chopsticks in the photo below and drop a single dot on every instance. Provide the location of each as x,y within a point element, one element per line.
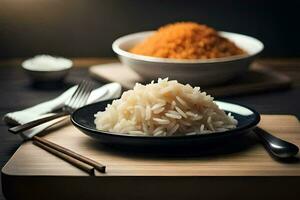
<point>86,164</point>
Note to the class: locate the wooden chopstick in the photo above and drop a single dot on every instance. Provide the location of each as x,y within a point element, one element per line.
<point>90,170</point>
<point>69,153</point>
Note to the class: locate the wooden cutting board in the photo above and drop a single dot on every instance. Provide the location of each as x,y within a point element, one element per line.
<point>258,79</point>
<point>33,173</point>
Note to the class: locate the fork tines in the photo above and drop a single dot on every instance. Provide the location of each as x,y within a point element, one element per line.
<point>81,95</point>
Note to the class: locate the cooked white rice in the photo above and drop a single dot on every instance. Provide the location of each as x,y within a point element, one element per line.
<point>164,108</point>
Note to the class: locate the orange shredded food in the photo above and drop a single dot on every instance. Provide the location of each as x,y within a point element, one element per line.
<point>186,40</point>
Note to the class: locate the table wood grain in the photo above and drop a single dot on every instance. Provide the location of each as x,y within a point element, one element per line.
<point>236,160</point>
<point>18,93</point>
<point>243,157</point>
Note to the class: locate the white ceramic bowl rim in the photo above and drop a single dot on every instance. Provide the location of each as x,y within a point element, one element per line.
<point>118,42</point>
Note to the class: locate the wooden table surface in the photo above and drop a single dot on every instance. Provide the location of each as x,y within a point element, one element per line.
<point>233,163</point>
<point>18,93</point>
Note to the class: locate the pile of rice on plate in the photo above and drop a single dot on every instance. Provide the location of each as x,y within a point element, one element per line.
<point>165,108</point>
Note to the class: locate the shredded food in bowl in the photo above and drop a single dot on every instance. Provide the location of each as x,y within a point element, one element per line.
<point>187,40</point>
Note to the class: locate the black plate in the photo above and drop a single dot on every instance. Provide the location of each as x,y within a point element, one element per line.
<point>83,119</point>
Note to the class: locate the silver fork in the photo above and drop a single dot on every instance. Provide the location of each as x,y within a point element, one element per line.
<point>78,99</point>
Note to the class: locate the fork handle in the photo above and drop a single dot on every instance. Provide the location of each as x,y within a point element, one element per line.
<point>29,125</point>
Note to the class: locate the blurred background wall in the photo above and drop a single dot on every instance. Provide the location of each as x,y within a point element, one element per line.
<point>86,28</point>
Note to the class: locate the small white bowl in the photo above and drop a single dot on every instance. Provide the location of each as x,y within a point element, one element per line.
<point>198,71</point>
<point>47,72</point>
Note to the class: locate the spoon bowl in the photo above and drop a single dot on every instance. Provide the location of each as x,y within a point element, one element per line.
<point>277,147</point>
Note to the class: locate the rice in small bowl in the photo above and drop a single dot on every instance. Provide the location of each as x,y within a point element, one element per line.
<point>165,108</point>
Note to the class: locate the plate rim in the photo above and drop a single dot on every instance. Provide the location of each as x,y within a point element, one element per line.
<point>124,135</point>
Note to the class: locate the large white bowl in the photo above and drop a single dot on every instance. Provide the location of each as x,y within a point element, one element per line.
<point>197,71</point>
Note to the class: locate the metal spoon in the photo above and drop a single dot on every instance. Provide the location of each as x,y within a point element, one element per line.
<point>277,147</point>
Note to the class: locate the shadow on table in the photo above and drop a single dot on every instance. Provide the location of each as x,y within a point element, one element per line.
<point>239,144</point>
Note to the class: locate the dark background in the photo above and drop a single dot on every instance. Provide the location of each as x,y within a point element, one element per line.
<point>86,28</point>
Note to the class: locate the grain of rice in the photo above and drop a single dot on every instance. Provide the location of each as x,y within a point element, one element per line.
<point>229,126</point>
<point>185,123</point>
<point>173,116</point>
<point>173,104</point>
<point>137,133</point>
<point>174,129</point>
<point>206,132</point>
<point>192,133</point>
<point>166,90</point>
<point>198,117</point>
<point>106,126</point>
<point>145,127</point>
<point>180,112</point>
<point>191,114</point>
<point>210,126</point>
<point>160,128</point>
<point>159,133</point>
<point>209,119</point>
<point>221,129</point>
<point>201,128</point>
<point>182,102</point>
<point>157,111</point>
<point>148,112</point>
<point>158,105</point>
<point>218,123</point>
<point>161,121</point>
<point>171,125</point>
